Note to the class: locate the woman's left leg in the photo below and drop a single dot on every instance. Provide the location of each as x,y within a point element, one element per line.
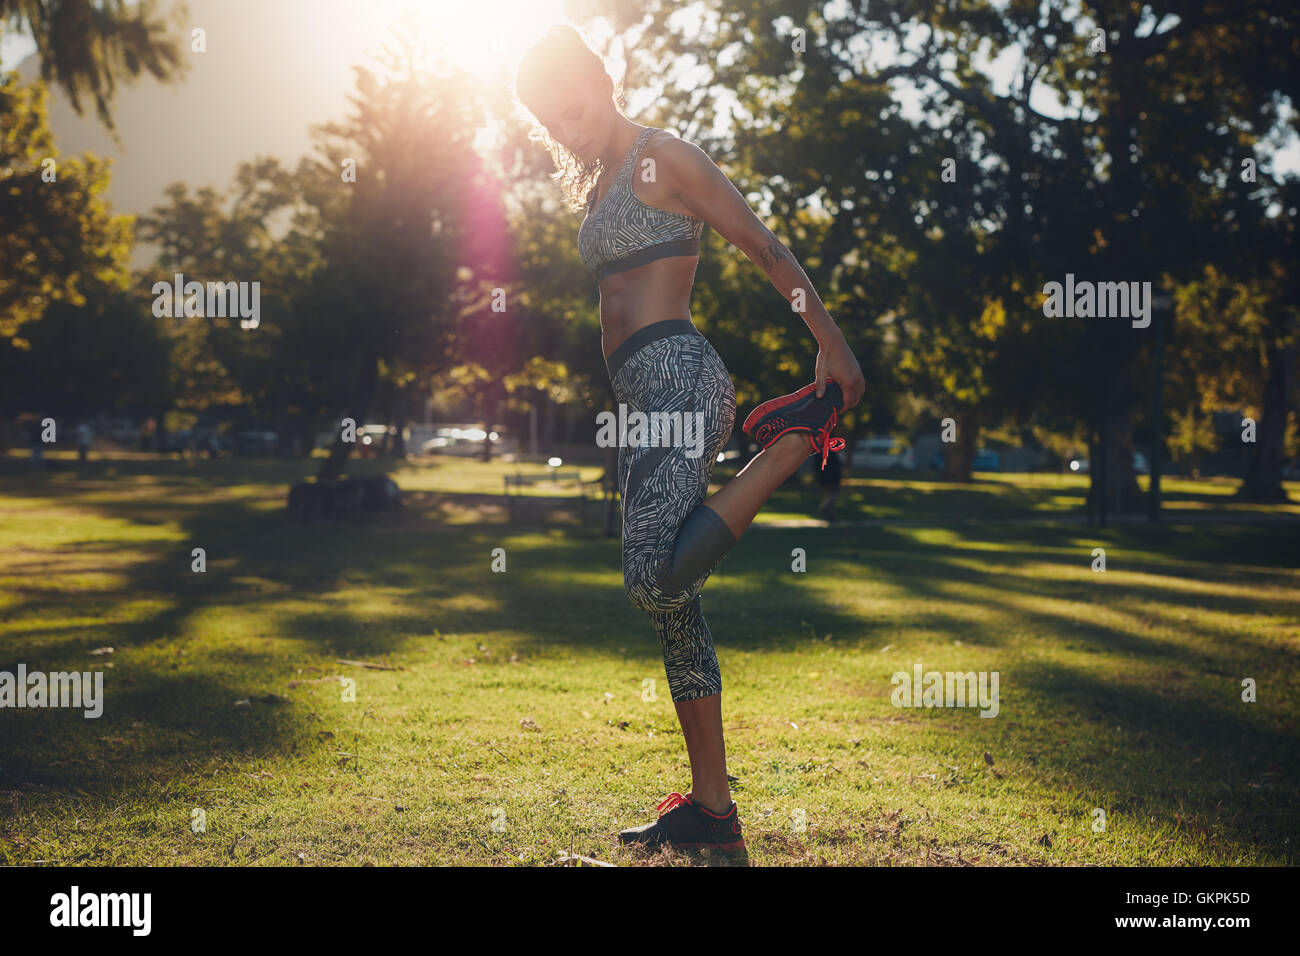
<point>701,721</point>
<point>689,657</point>
<point>671,544</point>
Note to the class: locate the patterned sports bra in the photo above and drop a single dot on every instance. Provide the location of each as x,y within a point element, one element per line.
<point>622,232</point>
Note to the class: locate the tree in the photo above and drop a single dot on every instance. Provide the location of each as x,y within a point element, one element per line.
<point>107,353</point>
<point>1129,177</point>
<point>86,46</point>
<point>390,240</point>
<point>1250,369</point>
<point>62,244</point>
<point>59,236</point>
<point>227,236</point>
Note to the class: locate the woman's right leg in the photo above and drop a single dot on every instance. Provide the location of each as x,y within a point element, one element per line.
<point>740,499</point>
<point>789,428</point>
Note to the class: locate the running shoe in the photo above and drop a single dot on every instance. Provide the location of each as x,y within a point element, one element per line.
<point>800,411</point>
<point>684,824</point>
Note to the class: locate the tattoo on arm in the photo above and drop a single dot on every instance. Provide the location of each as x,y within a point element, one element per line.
<point>773,253</point>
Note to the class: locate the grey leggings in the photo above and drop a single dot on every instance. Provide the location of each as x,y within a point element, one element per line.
<point>671,540</point>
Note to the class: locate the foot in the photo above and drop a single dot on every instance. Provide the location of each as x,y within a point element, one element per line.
<point>800,411</point>
<point>682,823</point>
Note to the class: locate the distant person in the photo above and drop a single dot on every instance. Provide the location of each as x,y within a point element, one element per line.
<point>34,443</point>
<point>147,431</point>
<point>84,436</point>
<point>829,478</point>
<point>640,243</point>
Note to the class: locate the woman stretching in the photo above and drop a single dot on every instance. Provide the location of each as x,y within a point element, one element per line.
<point>647,196</point>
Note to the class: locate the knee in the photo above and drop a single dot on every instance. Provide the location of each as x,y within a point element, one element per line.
<point>656,593</point>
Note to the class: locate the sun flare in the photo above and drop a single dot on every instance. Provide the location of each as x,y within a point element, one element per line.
<point>481,37</point>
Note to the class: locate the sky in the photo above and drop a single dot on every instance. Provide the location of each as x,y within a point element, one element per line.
<point>270,71</point>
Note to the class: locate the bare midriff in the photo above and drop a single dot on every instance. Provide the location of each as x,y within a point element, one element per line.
<point>639,297</point>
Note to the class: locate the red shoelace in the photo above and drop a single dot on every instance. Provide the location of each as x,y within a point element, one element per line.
<point>828,444</point>
<point>671,802</point>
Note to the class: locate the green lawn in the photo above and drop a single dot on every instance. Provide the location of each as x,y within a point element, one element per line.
<point>514,726</point>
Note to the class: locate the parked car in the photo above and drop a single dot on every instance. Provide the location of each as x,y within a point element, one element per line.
<point>460,441</point>
<point>372,434</point>
<point>181,440</point>
<point>257,443</point>
<point>984,460</point>
<point>1082,465</point>
<point>123,431</point>
<point>209,443</point>
<point>883,454</point>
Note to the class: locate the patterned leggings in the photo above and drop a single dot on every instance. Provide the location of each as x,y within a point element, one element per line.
<point>672,541</point>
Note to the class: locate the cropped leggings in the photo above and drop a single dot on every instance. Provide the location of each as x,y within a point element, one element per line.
<point>672,541</point>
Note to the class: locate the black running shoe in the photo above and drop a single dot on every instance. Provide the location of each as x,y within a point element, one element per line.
<point>685,824</point>
<point>800,411</point>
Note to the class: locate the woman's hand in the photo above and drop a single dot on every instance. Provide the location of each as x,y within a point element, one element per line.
<point>835,360</point>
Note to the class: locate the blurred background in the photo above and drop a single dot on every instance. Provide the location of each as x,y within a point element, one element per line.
<point>932,167</point>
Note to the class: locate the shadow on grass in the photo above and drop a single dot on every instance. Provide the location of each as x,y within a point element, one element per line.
<point>369,590</point>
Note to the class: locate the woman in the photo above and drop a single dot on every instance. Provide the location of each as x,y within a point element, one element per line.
<point>647,196</point>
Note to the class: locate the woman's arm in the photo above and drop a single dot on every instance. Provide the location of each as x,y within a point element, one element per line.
<point>708,194</point>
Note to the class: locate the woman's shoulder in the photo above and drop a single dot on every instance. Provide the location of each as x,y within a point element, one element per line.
<point>657,137</point>
<point>668,145</point>
<point>677,156</point>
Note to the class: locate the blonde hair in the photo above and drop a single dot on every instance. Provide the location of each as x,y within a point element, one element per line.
<point>561,49</point>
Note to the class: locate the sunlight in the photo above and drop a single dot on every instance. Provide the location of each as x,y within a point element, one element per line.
<point>482,37</point>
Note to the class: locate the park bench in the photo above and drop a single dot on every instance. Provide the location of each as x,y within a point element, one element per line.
<point>580,491</point>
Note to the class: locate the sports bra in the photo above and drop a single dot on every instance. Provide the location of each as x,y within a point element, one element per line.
<point>621,232</point>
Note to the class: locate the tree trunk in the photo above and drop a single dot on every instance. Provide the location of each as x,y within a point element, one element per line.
<point>401,415</point>
<point>489,419</point>
<point>1263,482</point>
<point>548,419</point>
<point>399,423</point>
<point>1111,472</point>
<point>368,375</point>
<point>532,427</point>
<point>959,456</point>
<point>859,424</point>
<point>609,487</point>
<point>1112,486</point>
<point>307,433</point>
<point>1121,487</point>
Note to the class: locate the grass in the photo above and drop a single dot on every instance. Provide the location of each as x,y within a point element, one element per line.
<point>516,723</point>
<point>1010,495</point>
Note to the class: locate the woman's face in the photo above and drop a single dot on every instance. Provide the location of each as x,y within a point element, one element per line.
<point>578,113</point>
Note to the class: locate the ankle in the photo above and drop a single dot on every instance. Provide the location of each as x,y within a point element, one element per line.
<point>793,446</point>
<point>720,806</point>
